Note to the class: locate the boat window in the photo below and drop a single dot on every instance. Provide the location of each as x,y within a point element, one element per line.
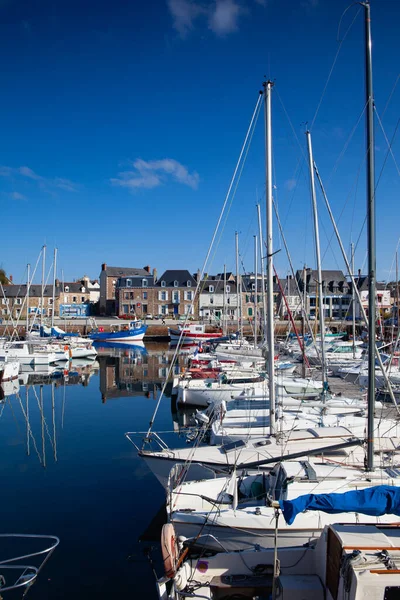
<point>233,446</point>
<point>392,592</point>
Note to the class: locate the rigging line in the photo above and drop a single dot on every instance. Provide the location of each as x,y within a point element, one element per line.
<point>390,95</point>
<point>242,151</point>
<point>238,177</point>
<point>377,183</point>
<point>292,268</point>
<point>346,145</point>
<point>336,57</point>
<point>386,139</point>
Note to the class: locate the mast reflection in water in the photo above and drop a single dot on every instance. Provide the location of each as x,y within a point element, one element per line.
<point>67,468</point>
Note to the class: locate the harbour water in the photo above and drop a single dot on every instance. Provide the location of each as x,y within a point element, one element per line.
<point>67,469</point>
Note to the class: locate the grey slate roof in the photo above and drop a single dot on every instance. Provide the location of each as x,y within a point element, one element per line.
<point>218,286</point>
<point>126,272</point>
<point>74,287</point>
<point>181,276</point>
<point>35,290</point>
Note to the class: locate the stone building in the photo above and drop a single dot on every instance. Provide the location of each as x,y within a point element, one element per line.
<point>108,282</point>
<point>335,289</point>
<point>213,299</point>
<point>135,294</point>
<point>13,302</point>
<point>175,294</point>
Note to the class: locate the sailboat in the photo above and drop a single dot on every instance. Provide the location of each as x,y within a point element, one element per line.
<point>237,512</point>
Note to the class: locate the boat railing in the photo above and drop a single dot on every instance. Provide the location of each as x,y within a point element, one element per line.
<point>16,574</point>
<point>152,437</point>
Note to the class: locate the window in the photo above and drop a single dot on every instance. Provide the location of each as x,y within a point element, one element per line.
<point>128,282</point>
<point>18,301</point>
<point>144,283</point>
<point>163,295</point>
<point>250,311</point>
<point>253,286</point>
<point>144,295</point>
<point>189,283</point>
<point>211,289</point>
<point>211,300</point>
<point>50,300</point>
<point>163,284</point>
<point>83,289</point>
<point>82,299</point>
<point>188,295</point>
<point>228,289</point>
<point>125,309</point>
<point>74,299</point>
<point>66,288</point>
<point>176,283</point>
<point>126,295</point>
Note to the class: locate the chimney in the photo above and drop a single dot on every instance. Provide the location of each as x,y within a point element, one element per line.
<point>359,273</point>
<point>11,278</point>
<point>104,267</point>
<point>147,268</point>
<point>155,275</point>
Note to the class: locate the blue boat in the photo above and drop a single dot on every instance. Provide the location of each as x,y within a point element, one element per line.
<point>130,334</point>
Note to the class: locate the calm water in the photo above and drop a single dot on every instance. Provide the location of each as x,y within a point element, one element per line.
<point>75,475</point>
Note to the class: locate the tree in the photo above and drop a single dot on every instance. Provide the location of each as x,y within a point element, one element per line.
<point>3,277</point>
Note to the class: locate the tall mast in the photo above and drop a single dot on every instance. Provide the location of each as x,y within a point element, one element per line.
<point>370,234</point>
<point>238,286</point>
<point>28,285</point>
<point>318,255</point>
<point>224,303</point>
<point>255,290</point>
<point>262,270</point>
<point>353,302</point>
<point>54,286</point>
<point>43,275</point>
<point>270,267</point>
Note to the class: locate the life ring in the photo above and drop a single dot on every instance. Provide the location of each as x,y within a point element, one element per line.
<point>169,549</point>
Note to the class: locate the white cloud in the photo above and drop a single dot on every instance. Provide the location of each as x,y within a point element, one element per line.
<point>153,173</point>
<point>290,184</point>
<point>221,16</point>
<point>46,183</point>
<point>224,17</point>
<point>184,13</point>
<point>17,196</point>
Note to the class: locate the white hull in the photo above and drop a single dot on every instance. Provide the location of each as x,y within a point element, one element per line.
<point>10,370</point>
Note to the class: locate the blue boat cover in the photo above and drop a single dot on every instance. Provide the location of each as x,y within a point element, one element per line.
<point>374,501</point>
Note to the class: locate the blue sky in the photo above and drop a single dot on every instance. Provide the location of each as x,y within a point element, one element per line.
<point>121,124</point>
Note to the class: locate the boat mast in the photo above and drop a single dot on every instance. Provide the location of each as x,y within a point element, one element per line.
<point>270,267</point>
<point>262,270</point>
<point>43,275</point>
<point>238,288</point>
<point>370,234</point>
<point>224,302</point>
<point>318,255</point>
<point>54,286</point>
<point>353,302</point>
<point>255,290</point>
<point>28,283</point>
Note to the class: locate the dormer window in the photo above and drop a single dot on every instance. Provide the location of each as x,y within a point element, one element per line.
<point>128,282</point>
<point>83,289</point>
<point>163,284</point>
<point>144,282</point>
<point>189,284</point>
<point>176,283</point>
<point>66,289</point>
<point>228,289</point>
<point>253,286</point>
<point>211,289</point>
